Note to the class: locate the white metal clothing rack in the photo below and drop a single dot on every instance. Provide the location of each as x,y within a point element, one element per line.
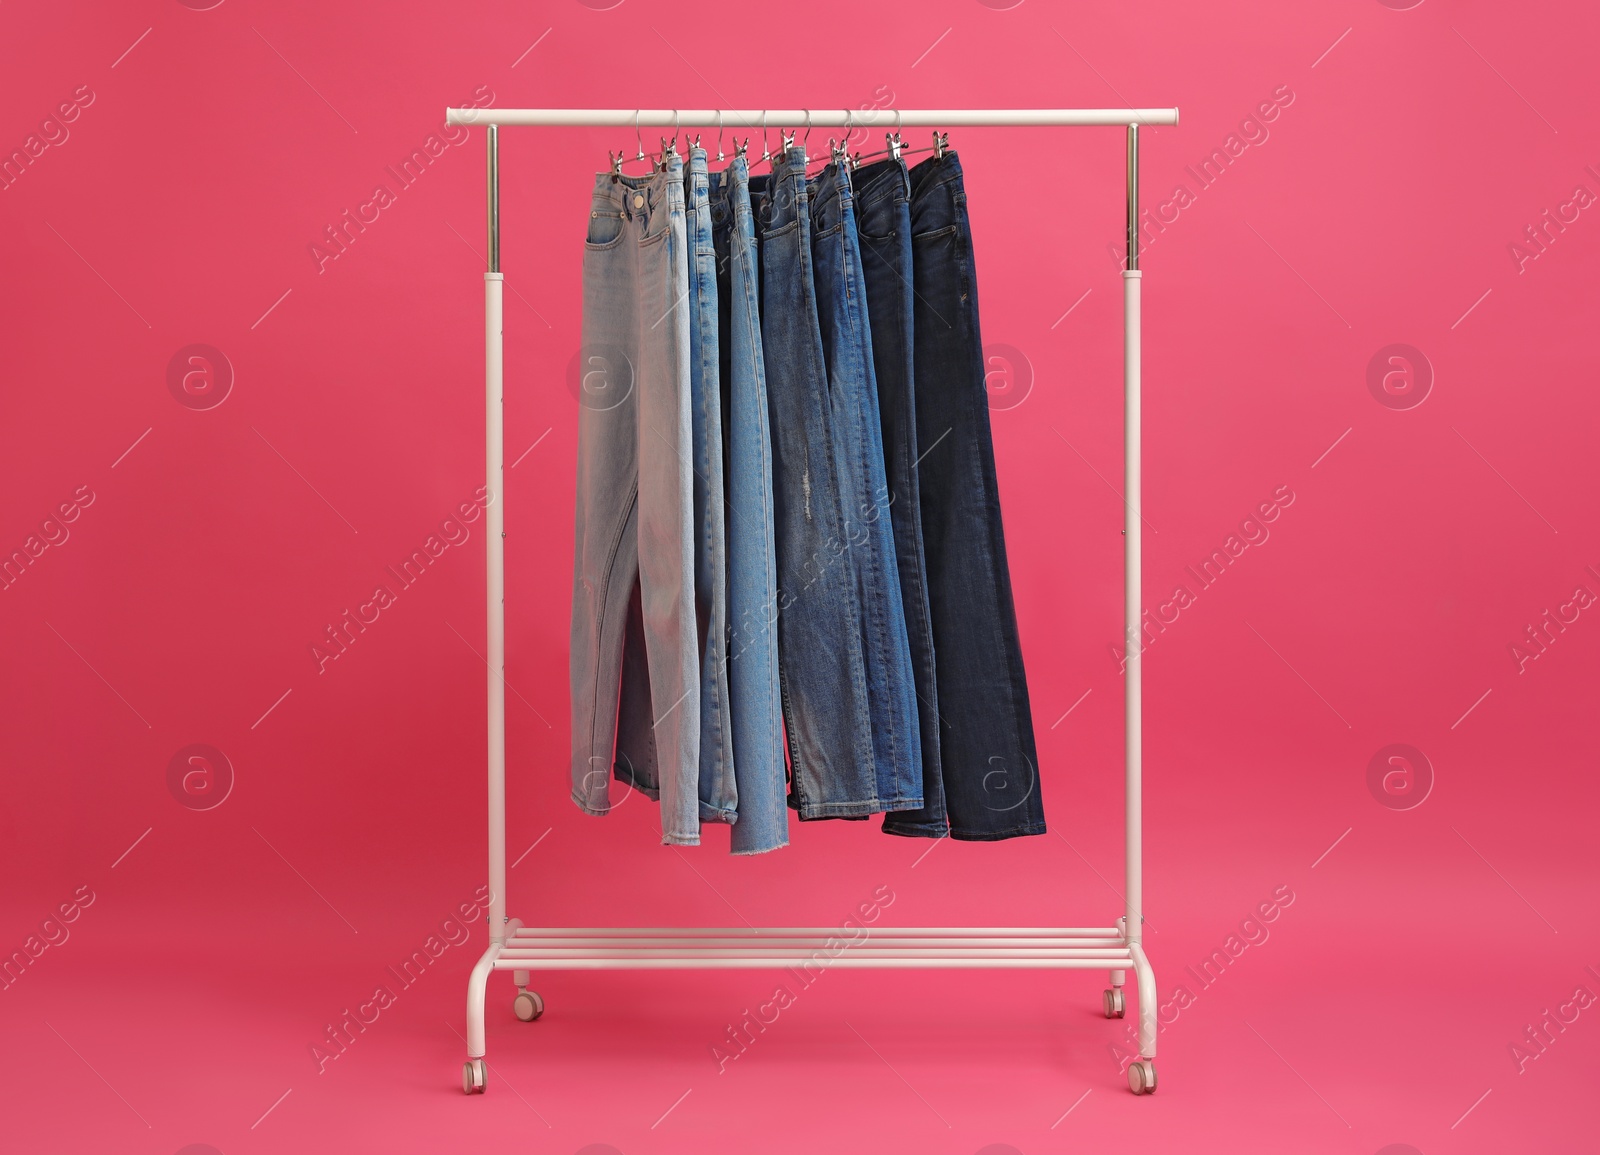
<point>524,949</point>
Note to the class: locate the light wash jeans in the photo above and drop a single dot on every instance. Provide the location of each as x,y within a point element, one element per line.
<point>635,494</point>
<point>754,703</point>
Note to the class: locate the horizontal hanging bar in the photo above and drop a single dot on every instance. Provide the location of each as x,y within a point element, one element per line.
<point>756,118</point>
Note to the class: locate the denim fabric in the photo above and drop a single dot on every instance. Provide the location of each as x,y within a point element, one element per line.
<point>864,489</point>
<point>822,672</point>
<point>883,219</point>
<point>635,495</point>
<point>990,764</point>
<point>754,703</point>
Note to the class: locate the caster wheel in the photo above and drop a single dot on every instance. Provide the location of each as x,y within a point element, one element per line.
<point>1142,1077</point>
<point>528,1006</point>
<point>473,1074</point>
<point>1114,1003</point>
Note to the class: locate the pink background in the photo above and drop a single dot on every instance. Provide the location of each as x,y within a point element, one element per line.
<point>181,605</point>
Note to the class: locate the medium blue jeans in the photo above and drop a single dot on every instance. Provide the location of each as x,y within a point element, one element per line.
<point>754,703</point>
<point>821,668</point>
<point>635,495</point>
<point>883,219</point>
<point>986,750</point>
<point>864,489</point>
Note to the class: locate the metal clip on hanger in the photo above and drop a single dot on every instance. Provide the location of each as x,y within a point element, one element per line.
<point>892,139</point>
<point>941,143</point>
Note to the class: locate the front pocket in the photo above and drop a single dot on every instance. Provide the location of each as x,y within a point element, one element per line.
<point>605,229</point>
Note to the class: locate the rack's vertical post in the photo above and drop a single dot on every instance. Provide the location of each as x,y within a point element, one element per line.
<point>1132,559</point>
<point>495,546</point>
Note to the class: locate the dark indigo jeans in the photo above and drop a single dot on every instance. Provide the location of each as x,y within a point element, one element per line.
<point>883,219</point>
<point>990,763</point>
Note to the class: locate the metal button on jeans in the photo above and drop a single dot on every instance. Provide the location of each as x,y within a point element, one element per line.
<point>638,201</point>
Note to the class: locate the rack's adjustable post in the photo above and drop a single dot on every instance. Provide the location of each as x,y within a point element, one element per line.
<point>1142,1073</point>
<point>494,532</point>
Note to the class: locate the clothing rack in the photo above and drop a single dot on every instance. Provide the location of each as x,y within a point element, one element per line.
<point>524,949</point>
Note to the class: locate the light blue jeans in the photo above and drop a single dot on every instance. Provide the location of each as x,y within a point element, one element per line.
<point>754,703</point>
<point>635,494</point>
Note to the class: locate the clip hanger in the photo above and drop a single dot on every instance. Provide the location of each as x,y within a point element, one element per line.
<point>941,143</point>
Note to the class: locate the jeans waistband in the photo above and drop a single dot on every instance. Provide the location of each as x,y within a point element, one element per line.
<point>643,196</point>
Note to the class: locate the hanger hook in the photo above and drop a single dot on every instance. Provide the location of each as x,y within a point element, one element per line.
<point>675,120</point>
<point>805,143</point>
<point>766,151</point>
<point>719,136</point>
<point>637,136</point>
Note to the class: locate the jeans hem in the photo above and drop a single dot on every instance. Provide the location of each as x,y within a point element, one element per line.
<point>856,809</point>
<point>760,849</point>
<point>917,829</point>
<point>996,835</point>
<point>680,840</point>
<point>588,808</point>
<point>720,814</point>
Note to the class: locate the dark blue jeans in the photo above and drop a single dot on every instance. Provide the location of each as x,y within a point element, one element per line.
<point>864,488</point>
<point>821,667</point>
<point>986,749</point>
<point>883,219</point>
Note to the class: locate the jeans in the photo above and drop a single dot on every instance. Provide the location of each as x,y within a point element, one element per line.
<point>990,764</point>
<point>864,489</point>
<point>821,668</point>
<point>883,217</point>
<point>754,703</point>
<point>634,534</point>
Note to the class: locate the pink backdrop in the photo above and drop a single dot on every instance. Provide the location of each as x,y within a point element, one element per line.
<point>1422,176</point>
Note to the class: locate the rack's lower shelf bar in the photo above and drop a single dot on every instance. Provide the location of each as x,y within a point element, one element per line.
<point>848,959</point>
